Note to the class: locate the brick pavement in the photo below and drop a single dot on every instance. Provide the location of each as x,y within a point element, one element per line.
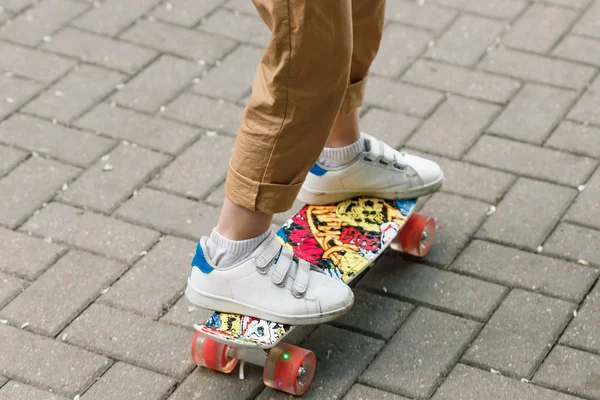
<point>117,119</point>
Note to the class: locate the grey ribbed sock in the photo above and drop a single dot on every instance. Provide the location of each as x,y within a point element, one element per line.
<point>334,157</point>
<point>224,252</point>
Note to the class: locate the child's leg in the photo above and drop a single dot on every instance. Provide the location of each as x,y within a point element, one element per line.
<point>296,94</point>
<point>354,164</point>
<point>367,27</point>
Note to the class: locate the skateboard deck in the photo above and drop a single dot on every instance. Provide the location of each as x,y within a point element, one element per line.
<point>344,239</point>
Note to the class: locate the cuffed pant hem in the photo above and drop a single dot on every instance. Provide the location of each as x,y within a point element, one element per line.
<point>354,96</point>
<point>268,198</point>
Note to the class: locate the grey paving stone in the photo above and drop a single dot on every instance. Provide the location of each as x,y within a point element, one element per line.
<point>16,5</point>
<point>183,42</point>
<point>232,79</point>
<point>361,392</point>
<point>574,242</point>
<point>170,214</point>
<point>466,82</point>
<point>124,381</point>
<point>83,87</point>
<point>580,49</point>
<point>62,292</point>
<point>156,133</point>
<point>515,268</point>
<point>217,196</point>
<point>149,288</point>
<point>157,84</point>
<point>15,93</point>
<point>590,22</point>
<point>342,356</point>
<point>185,314</point>
<point>576,137</point>
<point>397,96</point>
<point>454,127</point>
<point>112,16</point>
<point>537,68</point>
<point>424,349</point>
<point>32,64</point>
<point>48,363</point>
<point>490,8</point>
<point>456,220</point>
<point>533,161</point>
<point>586,109</point>
<point>521,220</point>
<point>4,16</point>
<point>374,315</point>
<point>426,15</point>
<point>9,157</point>
<point>199,168</point>
<point>127,337</point>
<point>520,333</point>
<point>101,50</point>
<point>25,256</point>
<point>28,186</point>
<point>576,4</point>
<point>205,383</point>
<point>216,115</point>
<point>10,287</point>
<point>71,145</point>
<point>393,128</point>
<point>15,390</point>
<point>481,183</point>
<point>466,40</point>
<point>43,19</point>
<point>103,189</point>
<point>90,231</point>
<point>572,371</point>
<point>582,332</point>
<point>586,208</point>
<point>185,12</point>
<point>533,112</point>
<point>440,289</point>
<point>238,27</point>
<point>403,44</point>
<point>241,6</point>
<point>539,28</point>
<point>299,335</point>
<point>468,383</point>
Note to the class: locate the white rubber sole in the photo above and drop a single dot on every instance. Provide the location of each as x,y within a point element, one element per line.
<point>224,304</point>
<point>308,196</point>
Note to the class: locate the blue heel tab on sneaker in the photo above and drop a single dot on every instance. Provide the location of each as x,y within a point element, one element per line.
<point>318,171</point>
<point>199,260</point>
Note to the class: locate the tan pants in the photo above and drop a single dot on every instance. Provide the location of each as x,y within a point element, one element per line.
<point>315,67</point>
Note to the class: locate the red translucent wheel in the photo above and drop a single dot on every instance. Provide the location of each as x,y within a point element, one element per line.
<point>416,236</point>
<point>290,369</point>
<point>212,354</point>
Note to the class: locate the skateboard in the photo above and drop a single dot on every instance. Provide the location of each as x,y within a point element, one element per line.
<point>343,239</point>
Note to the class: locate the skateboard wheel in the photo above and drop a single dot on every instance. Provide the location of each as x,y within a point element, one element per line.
<point>212,354</point>
<point>416,236</point>
<point>290,369</point>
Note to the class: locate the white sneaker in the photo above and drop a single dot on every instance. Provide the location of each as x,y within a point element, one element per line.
<point>380,171</point>
<point>270,284</point>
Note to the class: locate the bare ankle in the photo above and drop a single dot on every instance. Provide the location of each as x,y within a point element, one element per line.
<point>345,130</point>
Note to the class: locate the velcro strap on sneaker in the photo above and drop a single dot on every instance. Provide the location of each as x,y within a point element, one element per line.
<point>301,279</point>
<point>272,249</point>
<point>282,267</point>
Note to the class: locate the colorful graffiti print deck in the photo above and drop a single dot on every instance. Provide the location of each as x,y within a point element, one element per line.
<point>343,239</point>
